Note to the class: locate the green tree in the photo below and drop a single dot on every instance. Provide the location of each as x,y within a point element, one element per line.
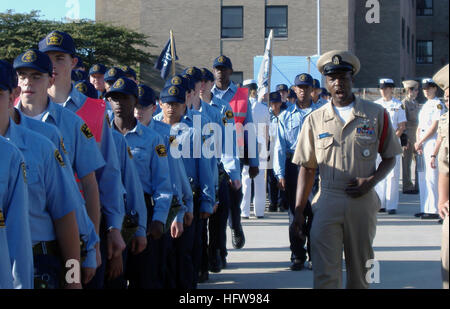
<point>96,42</point>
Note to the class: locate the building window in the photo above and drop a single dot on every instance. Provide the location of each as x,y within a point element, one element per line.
<point>232,22</point>
<point>424,8</point>
<point>408,34</point>
<point>237,77</point>
<point>424,52</point>
<point>277,19</point>
<point>403,33</point>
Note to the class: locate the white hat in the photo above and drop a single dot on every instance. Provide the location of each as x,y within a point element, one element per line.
<point>249,82</point>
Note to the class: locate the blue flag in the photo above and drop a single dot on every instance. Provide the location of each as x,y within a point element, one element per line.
<point>164,62</point>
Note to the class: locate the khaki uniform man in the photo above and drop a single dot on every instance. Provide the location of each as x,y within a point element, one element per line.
<point>342,139</point>
<point>441,79</point>
<point>412,109</point>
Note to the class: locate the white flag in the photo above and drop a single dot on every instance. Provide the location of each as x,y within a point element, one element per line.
<point>265,70</point>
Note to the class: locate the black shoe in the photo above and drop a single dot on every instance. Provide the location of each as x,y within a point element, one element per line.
<point>392,212</point>
<point>440,221</point>
<point>245,218</point>
<point>224,262</point>
<point>418,215</point>
<point>429,216</point>
<point>272,208</point>
<point>297,265</point>
<point>260,217</point>
<point>411,192</point>
<point>382,210</point>
<point>203,277</point>
<point>215,263</point>
<point>238,240</point>
<point>282,209</point>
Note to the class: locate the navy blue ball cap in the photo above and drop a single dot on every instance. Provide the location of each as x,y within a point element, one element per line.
<point>57,41</point>
<point>179,80</point>
<point>304,79</point>
<point>97,69</point>
<point>79,75</point>
<point>193,73</point>
<point>274,97</point>
<point>34,59</point>
<point>8,77</point>
<point>124,85</point>
<point>316,84</point>
<point>223,61</point>
<point>129,72</point>
<point>114,74</point>
<point>282,87</point>
<point>207,74</point>
<point>86,88</point>
<point>146,95</point>
<point>174,93</point>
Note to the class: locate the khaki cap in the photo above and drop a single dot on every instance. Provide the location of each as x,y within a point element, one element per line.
<point>338,61</point>
<point>410,84</point>
<point>441,78</point>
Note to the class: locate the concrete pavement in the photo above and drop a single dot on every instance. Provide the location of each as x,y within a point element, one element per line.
<point>407,248</point>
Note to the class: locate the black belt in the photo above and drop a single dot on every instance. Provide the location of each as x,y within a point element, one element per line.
<point>52,248</point>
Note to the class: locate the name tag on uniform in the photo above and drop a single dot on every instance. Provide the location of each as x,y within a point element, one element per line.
<point>323,135</point>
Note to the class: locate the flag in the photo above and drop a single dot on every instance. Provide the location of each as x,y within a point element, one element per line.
<point>164,62</point>
<point>265,70</point>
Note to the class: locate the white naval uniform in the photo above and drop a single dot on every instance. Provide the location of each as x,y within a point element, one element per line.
<point>388,188</point>
<point>428,179</point>
<point>261,115</point>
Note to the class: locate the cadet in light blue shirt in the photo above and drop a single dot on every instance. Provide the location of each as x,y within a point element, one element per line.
<point>60,47</point>
<point>150,158</point>
<point>16,255</point>
<point>317,100</point>
<point>52,200</point>
<point>198,169</point>
<point>289,126</point>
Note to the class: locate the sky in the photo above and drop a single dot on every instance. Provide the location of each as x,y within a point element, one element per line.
<point>53,9</point>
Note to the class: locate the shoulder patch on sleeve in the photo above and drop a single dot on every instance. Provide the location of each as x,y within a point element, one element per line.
<point>86,131</point>
<point>161,151</point>
<point>439,106</point>
<point>59,158</point>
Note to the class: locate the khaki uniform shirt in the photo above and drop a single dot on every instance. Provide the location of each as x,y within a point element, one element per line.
<point>345,151</point>
<point>443,151</point>
<point>412,109</point>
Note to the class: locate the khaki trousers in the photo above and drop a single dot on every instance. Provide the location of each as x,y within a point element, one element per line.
<point>342,223</point>
<point>407,158</point>
<point>444,253</point>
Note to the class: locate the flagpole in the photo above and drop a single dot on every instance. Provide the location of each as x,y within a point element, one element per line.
<point>172,52</point>
<point>270,62</point>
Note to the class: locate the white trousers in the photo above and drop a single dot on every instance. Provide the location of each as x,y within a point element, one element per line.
<point>387,189</point>
<point>428,181</point>
<point>259,200</point>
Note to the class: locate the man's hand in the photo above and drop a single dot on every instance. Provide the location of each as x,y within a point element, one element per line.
<point>98,254</point>
<point>297,224</point>
<point>156,230</point>
<point>216,206</point>
<point>114,268</point>
<point>204,215</point>
<point>433,163</point>
<point>188,218</point>
<point>282,184</point>
<point>235,184</point>
<point>138,244</point>
<point>443,209</point>
<point>359,186</point>
<point>176,229</point>
<point>87,274</point>
<point>418,147</point>
<point>253,171</point>
<point>115,243</point>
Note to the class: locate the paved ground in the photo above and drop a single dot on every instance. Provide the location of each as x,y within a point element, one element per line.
<point>407,248</point>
